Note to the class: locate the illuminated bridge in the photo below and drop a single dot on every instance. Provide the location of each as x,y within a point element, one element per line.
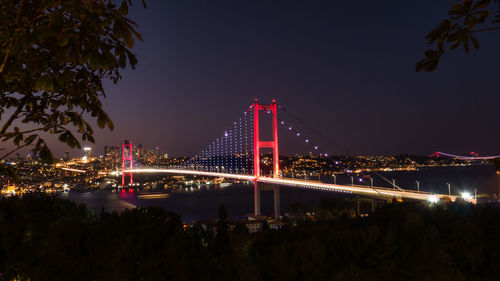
<point>237,155</point>
<point>473,156</point>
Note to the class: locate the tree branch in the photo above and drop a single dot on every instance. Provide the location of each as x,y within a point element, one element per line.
<point>14,150</point>
<point>33,130</point>
<point>12,118</point>
<point>485,29</point>
<point>11,41</point>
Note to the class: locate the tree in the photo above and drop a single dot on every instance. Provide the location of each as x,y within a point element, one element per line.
<point>465,20</point>
<point>222,237</point>
<point>54,56</point>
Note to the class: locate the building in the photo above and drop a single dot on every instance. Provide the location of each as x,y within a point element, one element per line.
<point>112,157</point>
<point>253,226</point>
<point>87,152</point>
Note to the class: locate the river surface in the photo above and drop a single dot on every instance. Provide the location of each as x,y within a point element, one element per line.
<point>200,203</point>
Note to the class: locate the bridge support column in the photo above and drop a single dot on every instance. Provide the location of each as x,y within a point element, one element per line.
<point>127,161</point>
<point>256,198</point>
<point>258,144</point>
<point>276,202</point>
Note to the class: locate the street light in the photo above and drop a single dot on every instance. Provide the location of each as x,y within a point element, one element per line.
<point>433,199</point>
<point>449,189</point>
<point>466,196</point>
<point>371,183</point>
<point>352,181</point>
<point>334,179</point>
<point>418,186</point>
<point>394,183</point>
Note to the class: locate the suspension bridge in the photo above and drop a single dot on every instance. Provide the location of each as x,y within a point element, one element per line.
<point>473,156</point>
<point>237,155</point>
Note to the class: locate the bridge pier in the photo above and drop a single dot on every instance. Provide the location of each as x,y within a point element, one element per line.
<point>256,198</point>
<point>258,188</point>
<point>276,202</point>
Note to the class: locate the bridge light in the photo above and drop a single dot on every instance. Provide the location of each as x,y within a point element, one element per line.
<point>466,195</point>
<point>433,199</point>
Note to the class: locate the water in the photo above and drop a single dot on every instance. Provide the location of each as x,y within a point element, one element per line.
<point>202,203</point>
<point>434,179</point>
<point>197,204</point>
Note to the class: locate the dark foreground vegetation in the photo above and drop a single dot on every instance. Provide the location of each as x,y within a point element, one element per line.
<point>45,238</point>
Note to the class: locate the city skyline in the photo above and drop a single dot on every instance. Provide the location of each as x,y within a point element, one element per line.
<point>345,69</point>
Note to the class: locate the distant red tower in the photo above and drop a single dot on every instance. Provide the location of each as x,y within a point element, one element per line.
<point>127,156</point>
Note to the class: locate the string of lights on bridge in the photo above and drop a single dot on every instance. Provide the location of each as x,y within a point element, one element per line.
<point>232,152</point>
<point>229,153</point>
<point>294,130</point>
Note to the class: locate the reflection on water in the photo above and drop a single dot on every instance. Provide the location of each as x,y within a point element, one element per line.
<point>196,203</point>
<point>96,200</point>
<point>153,196</point>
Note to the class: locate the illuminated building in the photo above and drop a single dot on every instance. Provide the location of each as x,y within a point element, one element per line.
<point>87,152</point>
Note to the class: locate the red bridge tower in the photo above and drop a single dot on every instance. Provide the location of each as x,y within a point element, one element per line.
<point>127,157</point>
<point>257,145</point>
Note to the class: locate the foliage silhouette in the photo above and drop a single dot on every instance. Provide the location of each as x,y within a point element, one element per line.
<point>47,238</point>
<point>465,20</point>
<point>54,56</point>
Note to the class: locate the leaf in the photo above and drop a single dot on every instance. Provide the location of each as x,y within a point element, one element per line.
<point>18,139</point>
<point>103,120</point>
<point>480,5</point>
<point>457,9</point>
<point>68,138</point>
<point>455,45</point>
<point>132,59</point>
<point>466,45</point>
<point>474,41</point>
<point>30,139</point>
<point>94,61</point>
<point>430,62</point>
<point>45,153</point>
<point>123,8</point>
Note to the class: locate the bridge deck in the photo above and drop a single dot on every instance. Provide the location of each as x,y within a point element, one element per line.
<point>382,192</point>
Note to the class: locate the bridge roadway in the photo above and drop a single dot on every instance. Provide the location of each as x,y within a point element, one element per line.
<point>381,192</point>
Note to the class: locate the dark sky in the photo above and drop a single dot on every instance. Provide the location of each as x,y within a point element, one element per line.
<point>346,67</point>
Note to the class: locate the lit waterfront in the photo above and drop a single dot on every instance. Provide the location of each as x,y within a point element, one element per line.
<point>195,203</point>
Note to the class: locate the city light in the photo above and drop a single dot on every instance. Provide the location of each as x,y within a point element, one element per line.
<point>433,199</point>
<point>300,183</point>
<point>466,195</point>
<point>74,170</point>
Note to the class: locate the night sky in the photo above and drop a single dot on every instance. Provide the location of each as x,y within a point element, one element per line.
<point>345,67</point>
